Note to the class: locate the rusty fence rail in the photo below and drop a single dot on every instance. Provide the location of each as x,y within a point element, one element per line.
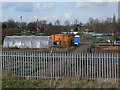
<point>38,65</point>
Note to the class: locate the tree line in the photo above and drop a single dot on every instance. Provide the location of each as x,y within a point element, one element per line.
<point>110,25</point>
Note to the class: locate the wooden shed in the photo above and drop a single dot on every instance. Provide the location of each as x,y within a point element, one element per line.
<point>64,40</point>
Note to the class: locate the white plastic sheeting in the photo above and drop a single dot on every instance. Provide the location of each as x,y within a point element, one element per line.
<point>27,42</point>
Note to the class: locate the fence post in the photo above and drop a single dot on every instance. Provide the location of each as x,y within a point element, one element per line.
<point>118,67</point>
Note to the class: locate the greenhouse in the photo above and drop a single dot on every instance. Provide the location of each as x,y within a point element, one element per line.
<point>27,42</point>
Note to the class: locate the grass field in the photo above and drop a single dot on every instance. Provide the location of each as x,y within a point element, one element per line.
<point>58,83</point>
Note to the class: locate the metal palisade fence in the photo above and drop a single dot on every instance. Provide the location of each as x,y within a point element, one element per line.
<point>38,65</point>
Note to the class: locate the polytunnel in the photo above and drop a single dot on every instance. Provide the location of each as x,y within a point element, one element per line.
<point>27,42</point>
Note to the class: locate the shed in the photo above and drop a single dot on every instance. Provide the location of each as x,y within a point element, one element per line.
<point>27,42</point>
<point>65,39</point>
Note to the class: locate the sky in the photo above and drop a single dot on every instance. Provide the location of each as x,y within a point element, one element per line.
<point>52,11</point>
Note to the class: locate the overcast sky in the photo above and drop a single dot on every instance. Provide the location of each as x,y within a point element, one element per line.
<point>52,11</point>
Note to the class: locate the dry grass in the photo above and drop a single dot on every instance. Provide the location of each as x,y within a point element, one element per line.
<point>7,76</point>
<point>76,82</point>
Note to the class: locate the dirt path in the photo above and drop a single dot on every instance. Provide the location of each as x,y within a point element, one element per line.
<point>83,47</point>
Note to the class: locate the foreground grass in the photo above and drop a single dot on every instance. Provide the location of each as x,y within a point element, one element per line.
<point>14,81</point>
<point>64,83</point>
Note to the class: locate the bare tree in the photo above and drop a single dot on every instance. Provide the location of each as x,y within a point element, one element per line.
<point>114,18</point>
<point>44,22</point>
<point>67,23</point>
<point>76,22</point>
<point>80,25</point>
<point>50,24</point>
<point>10,23</point>
<point>57,22</point>
<point>31,26</point>
<point>4,26</point>
<point>91,20</point>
